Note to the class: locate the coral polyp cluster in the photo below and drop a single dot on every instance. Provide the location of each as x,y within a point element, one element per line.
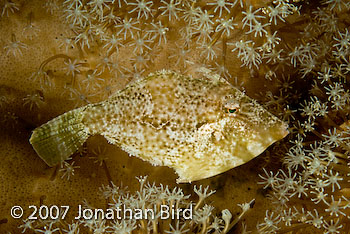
<point>311,191</point>
<point>155,209</point>
<point>124,39</point>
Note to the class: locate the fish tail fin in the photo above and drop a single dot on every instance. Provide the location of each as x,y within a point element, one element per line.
<point>56,140</point>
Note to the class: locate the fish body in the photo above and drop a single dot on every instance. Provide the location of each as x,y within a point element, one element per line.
<point>200,127</point>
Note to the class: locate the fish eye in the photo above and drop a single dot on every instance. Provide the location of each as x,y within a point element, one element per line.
<point>231,107</point>
<point>231,110</point>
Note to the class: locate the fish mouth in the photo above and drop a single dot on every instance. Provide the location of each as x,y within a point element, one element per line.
<point>203,168</point>
<point>284,130</point>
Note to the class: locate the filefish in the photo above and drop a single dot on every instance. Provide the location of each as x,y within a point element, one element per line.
<point>200,127</point>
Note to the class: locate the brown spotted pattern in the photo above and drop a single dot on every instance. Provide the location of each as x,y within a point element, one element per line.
<point>182,122</point>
